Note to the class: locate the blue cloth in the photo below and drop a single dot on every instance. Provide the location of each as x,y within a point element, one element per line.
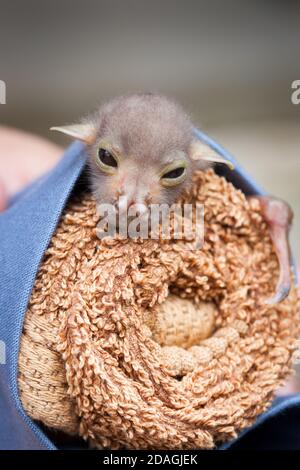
<point>25,231</point>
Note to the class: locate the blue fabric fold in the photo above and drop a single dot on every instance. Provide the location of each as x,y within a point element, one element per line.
<point>25,231</point>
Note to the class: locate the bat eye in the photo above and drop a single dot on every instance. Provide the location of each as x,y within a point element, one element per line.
<point>106,161</point>
<point>175,173</point>
<point>174,176</point>
<point>106,158</point>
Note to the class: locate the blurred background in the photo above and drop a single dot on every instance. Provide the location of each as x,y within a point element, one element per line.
<point>230,63</point>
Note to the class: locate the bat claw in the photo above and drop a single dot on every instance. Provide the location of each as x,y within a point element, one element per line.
<point>279,216</point>
<point>280,295</point>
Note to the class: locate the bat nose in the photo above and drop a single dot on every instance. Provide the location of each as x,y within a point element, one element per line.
<point>124,204</point>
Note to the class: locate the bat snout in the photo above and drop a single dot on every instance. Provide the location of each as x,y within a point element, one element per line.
<point>125,204</point>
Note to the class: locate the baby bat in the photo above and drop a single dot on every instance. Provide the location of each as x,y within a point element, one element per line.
<point>142,150</point>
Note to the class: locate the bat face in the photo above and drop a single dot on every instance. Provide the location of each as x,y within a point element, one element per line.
<point>141,151</point>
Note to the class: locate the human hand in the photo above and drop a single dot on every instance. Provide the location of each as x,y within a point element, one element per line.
<point>23,158</point>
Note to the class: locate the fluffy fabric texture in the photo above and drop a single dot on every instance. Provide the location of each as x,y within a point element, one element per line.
<point>100,356</point>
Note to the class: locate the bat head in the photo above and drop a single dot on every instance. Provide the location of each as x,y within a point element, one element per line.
<point>141,149</point>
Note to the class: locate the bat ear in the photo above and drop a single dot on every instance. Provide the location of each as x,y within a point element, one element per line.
<point>84,132</point>
<point>201,152</point>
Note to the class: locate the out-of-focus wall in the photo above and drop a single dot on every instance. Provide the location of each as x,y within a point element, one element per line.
<point>231,64</point>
